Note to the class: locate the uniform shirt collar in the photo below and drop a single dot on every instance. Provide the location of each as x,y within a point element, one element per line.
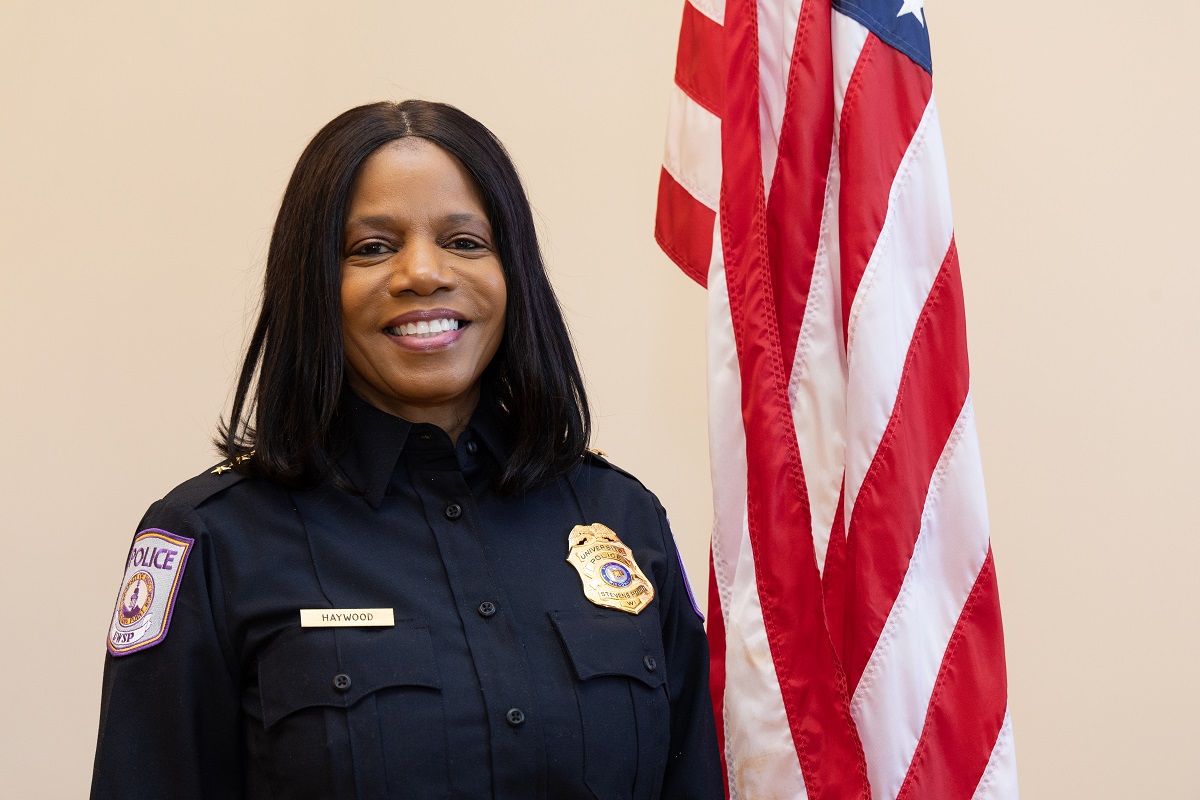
<point>490,425</point>
<point>373,443</point>
<point>376,439</point>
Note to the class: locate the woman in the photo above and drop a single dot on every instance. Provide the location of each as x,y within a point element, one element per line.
<point>409,578</point>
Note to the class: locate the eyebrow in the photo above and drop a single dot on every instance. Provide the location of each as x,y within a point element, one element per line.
<point>386,220</point>
<point>465,216</point>
<point>375,221</point>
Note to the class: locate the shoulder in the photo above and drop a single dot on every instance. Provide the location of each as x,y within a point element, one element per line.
<point>598,482</point>
<point>220,489</point>
<point>596,466</point>
<point>209,485</point>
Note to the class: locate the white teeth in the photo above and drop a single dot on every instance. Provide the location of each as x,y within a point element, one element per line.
<point>427,328</point>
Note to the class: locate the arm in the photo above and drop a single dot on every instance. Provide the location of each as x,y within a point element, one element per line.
<point>170,721</point>
<point>694,763</point>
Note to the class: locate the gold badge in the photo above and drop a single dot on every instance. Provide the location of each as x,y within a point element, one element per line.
<point>610,576</point>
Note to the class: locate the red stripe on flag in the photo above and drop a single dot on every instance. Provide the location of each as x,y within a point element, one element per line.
<point>833,577</point>
<point>886,518</point>
<point>700,60</point>
<point>968,704</point>
<point>884,103</point>
<point>683,228</point>
<point>789,585</point>
<point>797,199</point>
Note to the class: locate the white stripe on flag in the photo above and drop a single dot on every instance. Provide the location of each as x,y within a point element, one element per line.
<point>849,36</point>
<point>726,436</point>
<point>776,36</point>
<point>713,9</point>
<point>817,388</point>
<point>762,756</point>
<point>693,150</point>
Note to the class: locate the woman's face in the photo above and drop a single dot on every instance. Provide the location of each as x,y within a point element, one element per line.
<point>423,292</point>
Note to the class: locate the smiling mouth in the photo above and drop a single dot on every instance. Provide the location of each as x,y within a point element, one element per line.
<point>426,328</point>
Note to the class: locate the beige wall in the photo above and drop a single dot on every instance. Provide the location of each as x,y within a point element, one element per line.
<point>143,149</point>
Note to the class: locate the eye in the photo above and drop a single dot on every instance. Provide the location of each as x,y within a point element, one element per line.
<point>465,244</point>
<point>371,249</point>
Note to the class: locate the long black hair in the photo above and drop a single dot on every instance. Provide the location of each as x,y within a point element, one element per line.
<point>290,387</point>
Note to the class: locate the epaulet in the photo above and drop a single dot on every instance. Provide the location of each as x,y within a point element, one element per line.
<point>599,457</point>
<point>209,483</point>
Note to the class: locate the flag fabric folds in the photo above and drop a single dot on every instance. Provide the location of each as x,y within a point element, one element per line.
<point>854,615</point>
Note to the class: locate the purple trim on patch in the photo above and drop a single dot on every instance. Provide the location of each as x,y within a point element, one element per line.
<point>186,547</point>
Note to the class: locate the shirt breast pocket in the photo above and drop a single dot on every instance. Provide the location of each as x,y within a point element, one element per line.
<point>618,660</point>
<point>352,711</point>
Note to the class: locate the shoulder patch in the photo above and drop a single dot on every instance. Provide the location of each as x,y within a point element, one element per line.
<point>153,573</point>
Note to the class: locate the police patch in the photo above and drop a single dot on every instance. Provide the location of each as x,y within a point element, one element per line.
<point>152,576</point>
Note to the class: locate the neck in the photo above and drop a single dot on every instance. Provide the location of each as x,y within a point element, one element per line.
<point>451,416</point>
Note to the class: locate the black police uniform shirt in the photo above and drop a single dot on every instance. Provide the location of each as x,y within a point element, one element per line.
<point>498,679</point>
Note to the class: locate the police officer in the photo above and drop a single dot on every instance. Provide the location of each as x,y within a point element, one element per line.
<point>408,578</point>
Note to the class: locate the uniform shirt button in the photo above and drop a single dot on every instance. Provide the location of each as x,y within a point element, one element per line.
<point>453,511</point>
<point>515,716</point>
<point>341,682</point>
<point>487,608</point>
<point>472,448</point>
<point>649,663</point>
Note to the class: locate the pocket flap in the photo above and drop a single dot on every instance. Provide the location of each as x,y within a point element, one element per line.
<point>311,668</point>
<point>609,642</point>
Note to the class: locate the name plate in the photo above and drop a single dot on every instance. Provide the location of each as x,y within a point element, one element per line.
<point>346,617</point>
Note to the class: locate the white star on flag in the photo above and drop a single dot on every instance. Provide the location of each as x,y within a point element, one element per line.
<point>913,7</point>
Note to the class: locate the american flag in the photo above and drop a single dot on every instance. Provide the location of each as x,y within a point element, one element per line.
<point>855,620</point>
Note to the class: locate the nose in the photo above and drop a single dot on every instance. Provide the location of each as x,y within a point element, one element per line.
<point>420,267</point>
